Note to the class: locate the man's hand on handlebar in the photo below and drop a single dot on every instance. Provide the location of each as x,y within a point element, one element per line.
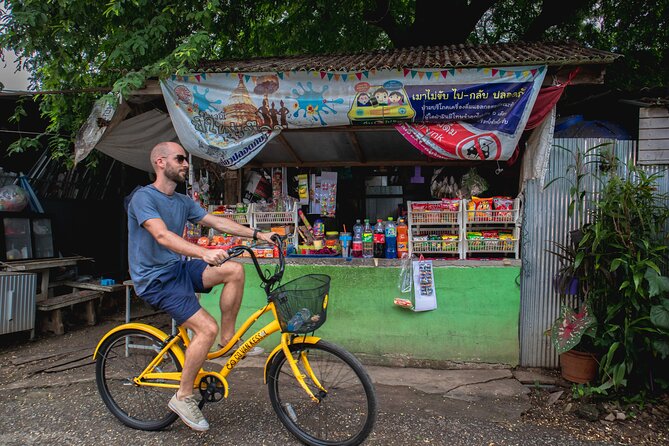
<point>215,256</point>
<point>268,237</point>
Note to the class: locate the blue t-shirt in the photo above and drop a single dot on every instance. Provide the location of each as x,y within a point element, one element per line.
<point>149,260</point>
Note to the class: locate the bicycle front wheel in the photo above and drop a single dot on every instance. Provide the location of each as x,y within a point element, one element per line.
<point>121,358</point>
<point>346,411</point>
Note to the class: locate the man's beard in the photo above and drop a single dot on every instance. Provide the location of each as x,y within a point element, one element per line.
<point>175,175</point>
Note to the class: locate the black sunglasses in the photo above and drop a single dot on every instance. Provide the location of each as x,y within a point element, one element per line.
<point>178,158</point>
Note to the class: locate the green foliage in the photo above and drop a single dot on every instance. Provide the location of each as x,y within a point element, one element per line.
<point>619,261</point>
<point>24,145</point>
<point>569,328</point>
<point>638,29</point>
<point>116,45</point>
<point>624,253</point>
<point>593,163</point>
<point>19,111</point>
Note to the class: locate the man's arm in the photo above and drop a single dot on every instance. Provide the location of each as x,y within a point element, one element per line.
<point>176,243</point>
<point>222,224</point>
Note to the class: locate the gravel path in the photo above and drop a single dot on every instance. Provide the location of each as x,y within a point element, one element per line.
<point>41,407</point>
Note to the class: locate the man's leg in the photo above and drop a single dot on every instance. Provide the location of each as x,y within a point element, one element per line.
<point>232,275</point>
<point>204,328</point>
<point>183,403</point>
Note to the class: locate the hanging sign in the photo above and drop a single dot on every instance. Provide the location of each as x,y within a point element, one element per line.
<point>476,113</point>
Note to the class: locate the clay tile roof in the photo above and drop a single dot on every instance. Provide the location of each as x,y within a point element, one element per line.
<point>451,56</point>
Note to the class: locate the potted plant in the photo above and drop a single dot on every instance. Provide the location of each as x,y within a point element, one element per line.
<point>622,259</point>
<point>567,332</point>
<point>585,165</point>
<point>621,309</point>
<point>573,330</point>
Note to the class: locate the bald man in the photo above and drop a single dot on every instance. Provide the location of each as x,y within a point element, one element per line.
<point>157,216</point>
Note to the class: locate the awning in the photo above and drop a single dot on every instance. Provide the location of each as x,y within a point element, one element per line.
<point>370,145</point>
<point>481,112</point>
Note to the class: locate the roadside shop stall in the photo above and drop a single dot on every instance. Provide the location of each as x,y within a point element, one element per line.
<point>436,138</point>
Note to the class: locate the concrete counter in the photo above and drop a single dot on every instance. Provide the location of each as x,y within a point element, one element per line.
<point>387,263</point>
<point>476,320</point>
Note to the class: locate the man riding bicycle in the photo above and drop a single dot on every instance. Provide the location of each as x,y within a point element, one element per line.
<point>157,215</point>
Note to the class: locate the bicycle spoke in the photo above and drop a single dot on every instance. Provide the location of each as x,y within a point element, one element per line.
<point>346,409</point>
<point>124,357</point>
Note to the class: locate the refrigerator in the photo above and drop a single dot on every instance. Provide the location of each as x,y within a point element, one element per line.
<point>25,236</point>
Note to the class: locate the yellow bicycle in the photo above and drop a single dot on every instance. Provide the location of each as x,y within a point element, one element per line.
<point>320,392</point>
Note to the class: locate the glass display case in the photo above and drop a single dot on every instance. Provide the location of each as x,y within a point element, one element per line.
<point>25,236</point>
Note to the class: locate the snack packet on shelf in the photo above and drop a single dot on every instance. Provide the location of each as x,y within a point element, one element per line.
<point>483,204</point>
<point>503,206</point>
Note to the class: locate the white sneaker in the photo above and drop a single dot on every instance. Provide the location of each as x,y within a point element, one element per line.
<point>189,412</point>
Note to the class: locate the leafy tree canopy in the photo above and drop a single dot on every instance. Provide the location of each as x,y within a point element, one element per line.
<point>86,48</point>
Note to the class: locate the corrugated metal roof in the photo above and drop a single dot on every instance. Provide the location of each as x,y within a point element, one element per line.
<point>451,56</point>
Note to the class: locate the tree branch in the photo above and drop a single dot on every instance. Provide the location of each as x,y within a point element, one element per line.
<point>382,17</point>
<point>553,12</point>
<point>435,23</point>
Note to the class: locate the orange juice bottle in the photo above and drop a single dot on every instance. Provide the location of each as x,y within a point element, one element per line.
<point>402,238</point>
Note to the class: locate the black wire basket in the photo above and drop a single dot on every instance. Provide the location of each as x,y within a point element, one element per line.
<point>301,304</point>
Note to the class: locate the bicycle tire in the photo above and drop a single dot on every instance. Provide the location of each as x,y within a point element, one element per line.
<point>140,407</point>
<point>345,415</point>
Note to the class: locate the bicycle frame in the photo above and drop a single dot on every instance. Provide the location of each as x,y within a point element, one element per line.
<point>152,378</point>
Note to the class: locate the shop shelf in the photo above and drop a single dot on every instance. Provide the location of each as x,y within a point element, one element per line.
<point>273,218</point>
<point>243,218</point>
<point>434,221</point>
<point>435,218</point>
<point>476,216</point>
<point>265,220</point>
<point>451,247</point>
<point>491,246</point>
<point>440,222</point>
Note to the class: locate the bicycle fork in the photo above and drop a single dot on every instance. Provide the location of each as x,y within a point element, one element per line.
<point>299,376</point>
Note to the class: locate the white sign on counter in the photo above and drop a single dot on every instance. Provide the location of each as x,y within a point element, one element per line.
<point>425,294</point>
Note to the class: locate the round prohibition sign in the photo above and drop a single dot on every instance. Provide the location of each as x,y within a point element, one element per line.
<point>486,146</point>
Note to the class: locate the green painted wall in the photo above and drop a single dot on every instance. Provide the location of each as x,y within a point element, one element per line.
<point>476,319</point>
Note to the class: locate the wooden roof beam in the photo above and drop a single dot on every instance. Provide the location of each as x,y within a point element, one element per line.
<point>356,146</point>
<point>284,142</point>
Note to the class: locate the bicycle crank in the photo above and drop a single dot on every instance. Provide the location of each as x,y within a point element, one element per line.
<point>212,389</point>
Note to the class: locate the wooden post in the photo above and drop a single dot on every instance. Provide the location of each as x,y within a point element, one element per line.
<point>232,187</point>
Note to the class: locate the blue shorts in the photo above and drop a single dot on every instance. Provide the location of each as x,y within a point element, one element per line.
<point>174,292</point>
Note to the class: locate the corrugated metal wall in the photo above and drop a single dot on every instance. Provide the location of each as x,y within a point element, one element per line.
<point>545,221</point>
<point>17,302</point>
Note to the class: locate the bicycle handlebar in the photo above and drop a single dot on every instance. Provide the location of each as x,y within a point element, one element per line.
<point>236,251</point>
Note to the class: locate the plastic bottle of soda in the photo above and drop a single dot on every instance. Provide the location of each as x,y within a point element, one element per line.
<point>367,240</point>
<point>391,239</point>
<point>298,319</point>
<point>356,248</point>
<point>402,238</point>
<point>379,240</point>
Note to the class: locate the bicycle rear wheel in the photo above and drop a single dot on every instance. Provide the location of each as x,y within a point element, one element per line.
<point>346,412</point>
<point>122,357</point>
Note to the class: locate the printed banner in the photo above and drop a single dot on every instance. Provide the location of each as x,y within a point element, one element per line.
<point>476,113</point>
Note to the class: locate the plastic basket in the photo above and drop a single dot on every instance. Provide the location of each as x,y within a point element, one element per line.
<point>301,304</point>
<point>272,217</point>
<point>434,218</point>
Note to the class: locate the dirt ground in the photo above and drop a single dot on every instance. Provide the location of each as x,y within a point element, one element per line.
<point>632,425</point>
<point>48,396</point>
